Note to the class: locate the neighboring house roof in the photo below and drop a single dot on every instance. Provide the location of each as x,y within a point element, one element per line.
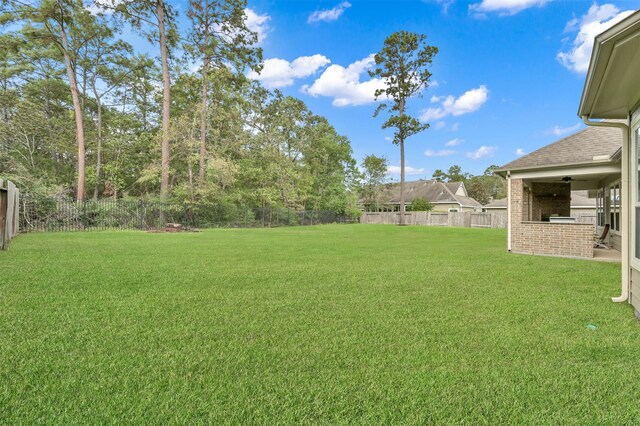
<point>432,190</point>
<point>579,199</point>
<point>591,145</point>
<point>457,188</point>
<point>500,203</point>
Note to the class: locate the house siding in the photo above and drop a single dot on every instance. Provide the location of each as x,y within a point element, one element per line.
<point>445,207</point>
<point>634,297</point>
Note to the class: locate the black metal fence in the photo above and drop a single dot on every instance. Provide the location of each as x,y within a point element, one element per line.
<point>39,213</point>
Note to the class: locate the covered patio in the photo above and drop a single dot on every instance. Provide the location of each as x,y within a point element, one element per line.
<point>607,255</point>
<point>540,187</point>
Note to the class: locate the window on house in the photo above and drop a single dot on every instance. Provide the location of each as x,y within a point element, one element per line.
<point>600,219</point>
<point>614,203</point>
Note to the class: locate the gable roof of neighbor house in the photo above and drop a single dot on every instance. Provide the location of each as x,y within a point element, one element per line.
<point>591,145</point>
<point>579,199</point>
<point>434,191</point>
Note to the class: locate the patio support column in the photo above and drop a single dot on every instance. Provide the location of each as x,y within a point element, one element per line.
<point>509,211</point>
<point>516,204</point>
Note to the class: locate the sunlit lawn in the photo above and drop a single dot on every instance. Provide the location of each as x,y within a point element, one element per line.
<point>327,324</point>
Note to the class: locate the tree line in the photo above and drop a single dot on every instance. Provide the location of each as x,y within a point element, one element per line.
<point>83,114</point>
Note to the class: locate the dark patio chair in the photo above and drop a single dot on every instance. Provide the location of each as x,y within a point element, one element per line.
<point>601,241</point>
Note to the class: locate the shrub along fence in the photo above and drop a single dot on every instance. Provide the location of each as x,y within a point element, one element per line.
<point>9,207</point>
<point>63,214</point>
<point>453,219</point>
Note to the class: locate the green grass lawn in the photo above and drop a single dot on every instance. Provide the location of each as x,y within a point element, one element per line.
<point>326,324</point>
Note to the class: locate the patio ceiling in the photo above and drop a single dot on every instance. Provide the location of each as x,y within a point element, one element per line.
<point>590,177</point>
<point>578,182</point>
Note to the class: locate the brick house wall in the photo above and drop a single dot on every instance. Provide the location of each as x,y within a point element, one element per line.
<point>545,238</point>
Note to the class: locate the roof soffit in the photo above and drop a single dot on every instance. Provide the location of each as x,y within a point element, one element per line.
<point>611,86</point>
<point>619,89</point>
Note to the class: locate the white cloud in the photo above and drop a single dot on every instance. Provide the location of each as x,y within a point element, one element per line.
<point>105,7</point>
<point>504,7</point>
<point>444,4</point>
<point>439,153</point>
<point>454,142</point>
<point>344,85</point>
<point>439,125</point>
<point>455,127</point>
<point>560,131</point>
<point>281,73</point>
<point>408,170</point>
<point>329,15</point>
<point>520,151</point>
<point>469,102</point>
<point>597,20</point>
<point>482,152</point>
<point>259,24</point>
<point>388,138</point>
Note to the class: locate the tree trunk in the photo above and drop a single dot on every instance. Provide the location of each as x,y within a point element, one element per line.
<point>84,87</point>
<point>144,110</point>
<point>99,151</point>
<point>203,112</point>
<point>190,174</point>
<point>402,207</point>
<point>71,74</point>
<point>166,102</point>
<point>124,100</point>
<point>5,109</point>
<point>401,223</point>
<point>203,129</point>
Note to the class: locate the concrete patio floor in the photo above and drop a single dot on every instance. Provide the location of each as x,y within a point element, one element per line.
<point>604,255</point>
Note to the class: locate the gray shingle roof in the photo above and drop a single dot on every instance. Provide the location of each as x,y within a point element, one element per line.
<point>432,190</point>
<point>500,203</point>
<point>454,186</point>
<point>578,148</point>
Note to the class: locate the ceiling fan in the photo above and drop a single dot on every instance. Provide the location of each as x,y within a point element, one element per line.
<point>568,179</point>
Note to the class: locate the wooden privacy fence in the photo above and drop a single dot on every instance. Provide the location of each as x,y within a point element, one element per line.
<point>452,219</point>
<point>9,205</point>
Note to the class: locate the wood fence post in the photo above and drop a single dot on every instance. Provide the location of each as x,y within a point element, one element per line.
<point>4,234</point>
<point>9,213</point>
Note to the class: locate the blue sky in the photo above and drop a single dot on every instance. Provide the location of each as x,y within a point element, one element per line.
<point>507,79</point>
